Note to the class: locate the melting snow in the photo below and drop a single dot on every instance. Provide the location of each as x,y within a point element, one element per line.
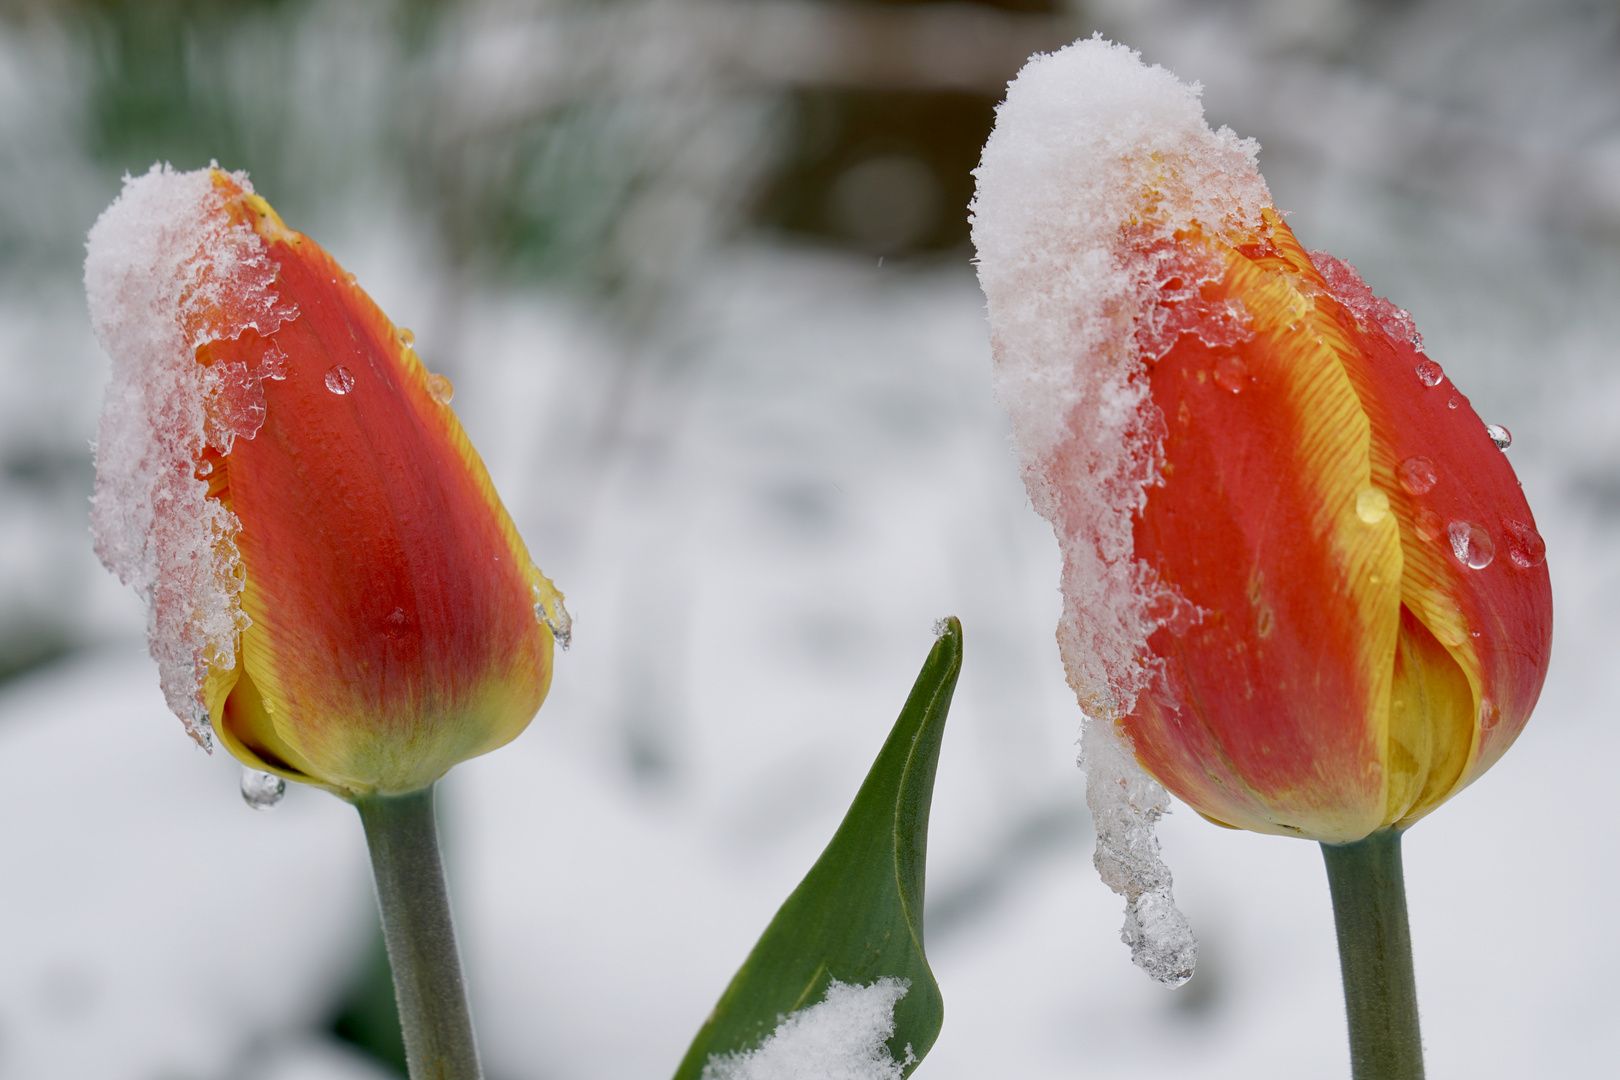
<point>1096,161</point>
<point>166,272</point>
<point>844,1037</point>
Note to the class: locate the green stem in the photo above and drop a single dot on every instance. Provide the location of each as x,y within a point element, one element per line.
<point>433,1014</point>
<point>1375,957</point>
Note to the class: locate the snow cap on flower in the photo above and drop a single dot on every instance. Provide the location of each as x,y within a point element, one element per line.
<point>166,272</point>
<point>1095,162</point>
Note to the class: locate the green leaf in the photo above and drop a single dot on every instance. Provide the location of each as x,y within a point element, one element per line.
<point>857,915</point>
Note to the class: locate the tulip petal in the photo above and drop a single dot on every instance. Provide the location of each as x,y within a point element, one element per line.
<point>1431,724</point>
<point>1494,620</point>
<point>245,727</point>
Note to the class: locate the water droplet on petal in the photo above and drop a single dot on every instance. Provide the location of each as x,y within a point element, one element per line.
<point>1489,714</point>
<point>1372,506</point>
<point>350,278</point>
<point>1417,475</point>
<point>1455,402</point>
<point>1525,546</point>
<point>1430,372</point>
<point>1471,544</point>
<point>1429,525</point>
<point>204,468</point>
<point>1231,373</point>
<point>262,790</point>
<point>406,336</point>
<point>440,389</point>
<point>1501,436</point>
<point>340,380</point>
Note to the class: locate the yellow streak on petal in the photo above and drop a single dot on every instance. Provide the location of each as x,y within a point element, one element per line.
<point>1426,595</point>
<point>1280,293</point>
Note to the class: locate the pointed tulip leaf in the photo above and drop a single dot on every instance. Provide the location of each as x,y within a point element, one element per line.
<point>857,915</point>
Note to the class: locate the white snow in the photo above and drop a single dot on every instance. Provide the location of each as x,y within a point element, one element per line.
<point>166,272</point>
<point>793,650</point>
<point>1096,161</point>
<point>842,1037</point>
<point>160,927</point>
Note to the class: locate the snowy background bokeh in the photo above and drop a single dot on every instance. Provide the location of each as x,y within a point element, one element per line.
<point>698,272</point>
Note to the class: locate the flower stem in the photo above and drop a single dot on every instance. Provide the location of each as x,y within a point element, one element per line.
<point>1375,957</point>
<point>433,1013</point>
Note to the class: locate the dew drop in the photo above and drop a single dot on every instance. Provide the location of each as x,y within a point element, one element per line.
<point>350,278</point>
<point>1428,524</point>
<point>262,790</point>
<point>1525,546</point>
<point>1430,372</point>
<point>1455,402</point>
<point>204,468</point>
<point>1501,436</point>
<point>1489,714</point>
<point>406,336</point>
<point>1417,475</point>
<point>1230,373</point>
<point>1471,544</point>
<point>1372,506</point>
<point>440,389</point>
<point>340,380</point>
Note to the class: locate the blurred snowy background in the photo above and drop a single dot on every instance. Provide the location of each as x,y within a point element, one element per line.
<point>698,269</point>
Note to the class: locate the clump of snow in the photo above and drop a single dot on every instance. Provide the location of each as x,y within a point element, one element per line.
<point>166,272</point>
<point>1348,289</point>
<point>1096,162</point>
<point>844,1037</point>
<point>1126,803</point>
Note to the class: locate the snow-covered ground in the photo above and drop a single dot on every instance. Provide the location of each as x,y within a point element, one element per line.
<point>775,528</point>
<point>757,512</point>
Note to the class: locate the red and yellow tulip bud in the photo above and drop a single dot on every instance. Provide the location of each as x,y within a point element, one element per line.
<point>1368,611</point>
<point>1300,577</point>
<point>365,615</point>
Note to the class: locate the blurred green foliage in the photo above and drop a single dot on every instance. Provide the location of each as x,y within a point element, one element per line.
<point>157,85</point>
<point>544,193</point>
<point>368,1017</point>
<point>888,172</point>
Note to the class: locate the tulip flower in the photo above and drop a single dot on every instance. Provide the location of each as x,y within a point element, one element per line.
<point>334,588</point>
<point>1302,585</point>
<point>1373,608</point>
